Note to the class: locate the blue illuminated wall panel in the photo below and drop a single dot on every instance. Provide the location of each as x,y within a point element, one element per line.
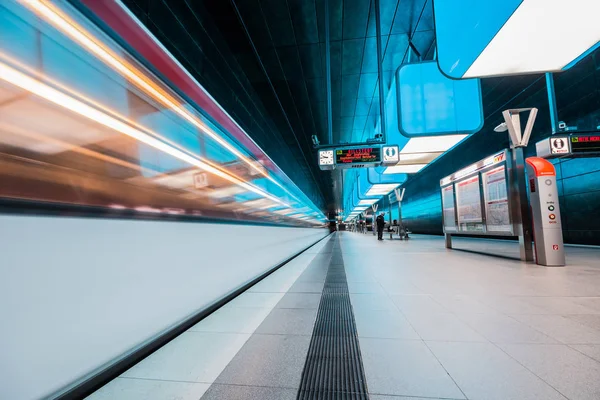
<point>429,103</point>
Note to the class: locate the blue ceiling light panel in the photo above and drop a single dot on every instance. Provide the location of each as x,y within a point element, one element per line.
<point>478,38</point>
<point>464,28</point>
<point>429,103</point>
<point>377,176</point>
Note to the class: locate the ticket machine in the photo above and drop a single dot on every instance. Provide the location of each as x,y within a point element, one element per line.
<point>545,209</point>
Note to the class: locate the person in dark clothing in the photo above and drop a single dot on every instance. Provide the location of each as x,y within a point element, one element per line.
<point>380,221</point>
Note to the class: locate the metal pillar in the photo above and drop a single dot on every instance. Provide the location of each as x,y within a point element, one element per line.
<point>328,75</point>
<point>399,213</point>
<point>552,102</point>
<point>380,72</point>
<point>521,214</point>
<point>516,164</point>
<point>448,240</point>
<point>389,199</point>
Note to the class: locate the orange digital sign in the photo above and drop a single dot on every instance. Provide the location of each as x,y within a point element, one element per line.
<point>358,156</point>
<point>585,144</point>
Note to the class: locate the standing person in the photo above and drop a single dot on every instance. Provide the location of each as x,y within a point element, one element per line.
<point>380,225</point>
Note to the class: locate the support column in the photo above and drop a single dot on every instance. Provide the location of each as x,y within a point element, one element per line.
<point>328,75</point>
<point>448,240</point>
<point>521,216</point>
<point>552,102</point>
<point>382,86</point>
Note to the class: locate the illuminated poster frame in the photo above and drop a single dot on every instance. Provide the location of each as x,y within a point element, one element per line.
<point>448,209</point>
<point>496,205</point>
<point>471,221</point>
<point>477,174</point>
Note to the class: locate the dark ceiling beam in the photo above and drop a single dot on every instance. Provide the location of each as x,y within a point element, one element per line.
<point>262,66</point>
<point>389,36</point>
<point>380,72</point>
<point>411,34</point>
<point>328,76</point>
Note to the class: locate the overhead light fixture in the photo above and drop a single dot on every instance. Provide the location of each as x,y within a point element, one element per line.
<point>429,144</point>
<point>381,189</point>
<point>418,158</point>
<point>367,202</point>
<point>533,41</point>
<point>501,128</point>
<point>404,169</point>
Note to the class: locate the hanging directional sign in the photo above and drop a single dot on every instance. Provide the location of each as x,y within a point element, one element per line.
<point>391,155</point>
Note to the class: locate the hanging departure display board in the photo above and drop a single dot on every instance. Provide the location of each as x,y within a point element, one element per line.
<point>358,156</point>
<point>569,145</point>
<point>476,199</point>
<point>585,144</point>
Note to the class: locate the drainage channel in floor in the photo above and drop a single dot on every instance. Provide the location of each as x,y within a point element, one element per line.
<point>334,368</point>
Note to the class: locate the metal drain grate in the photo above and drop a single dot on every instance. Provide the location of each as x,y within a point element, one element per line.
<point>333,368</point>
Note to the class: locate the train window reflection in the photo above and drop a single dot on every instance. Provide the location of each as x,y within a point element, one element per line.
<point>82,124</point>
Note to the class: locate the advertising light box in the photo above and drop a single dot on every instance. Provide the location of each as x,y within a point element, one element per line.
<point>495,194</point>
<point>476,199</point>
<point>468,204</point>
<point>448,210</point>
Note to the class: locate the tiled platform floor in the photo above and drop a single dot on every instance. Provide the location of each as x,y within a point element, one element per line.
<point>432,324</point>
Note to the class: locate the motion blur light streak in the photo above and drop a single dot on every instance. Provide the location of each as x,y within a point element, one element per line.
<point>76,32</point>
<point>44,91</point>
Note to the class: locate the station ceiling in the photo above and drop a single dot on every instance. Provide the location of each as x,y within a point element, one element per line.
<point>264,62</point>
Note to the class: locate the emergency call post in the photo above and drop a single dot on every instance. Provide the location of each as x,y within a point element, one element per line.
<point>545,209</point>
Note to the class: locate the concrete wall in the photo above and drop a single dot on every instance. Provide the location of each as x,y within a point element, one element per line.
<point>76,293</point>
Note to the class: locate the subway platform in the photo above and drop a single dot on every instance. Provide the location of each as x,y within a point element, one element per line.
<point>354,318</point>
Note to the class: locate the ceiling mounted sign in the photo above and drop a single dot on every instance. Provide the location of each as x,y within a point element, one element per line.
<point>391,155</point>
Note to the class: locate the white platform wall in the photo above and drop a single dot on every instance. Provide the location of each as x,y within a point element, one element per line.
<point>76,293</point>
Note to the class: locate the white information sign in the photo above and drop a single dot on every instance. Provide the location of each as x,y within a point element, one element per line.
<point>559,145</point>
<point>495,192</point>
<point>391,155</point>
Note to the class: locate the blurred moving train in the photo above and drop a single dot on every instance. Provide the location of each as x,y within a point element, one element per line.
<point>98,119</point>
